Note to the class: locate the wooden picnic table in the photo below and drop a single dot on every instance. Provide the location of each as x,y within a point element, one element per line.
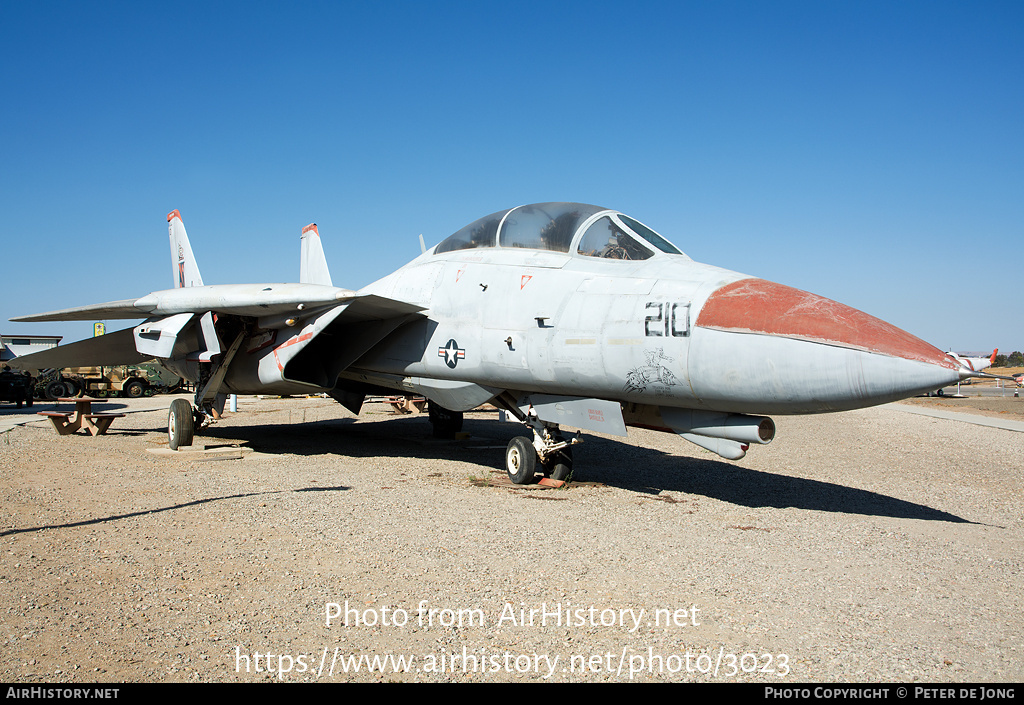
<point>407,405</point>
<point>95,424</point>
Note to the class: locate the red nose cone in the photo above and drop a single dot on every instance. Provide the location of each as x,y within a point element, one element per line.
<point>760,306</point>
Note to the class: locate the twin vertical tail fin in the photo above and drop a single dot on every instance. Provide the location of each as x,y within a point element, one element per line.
<point>183,262</point>
<point>313,264</point>
<point>312,268</point>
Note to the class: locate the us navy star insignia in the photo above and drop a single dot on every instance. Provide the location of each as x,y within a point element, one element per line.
<point>451,353</point>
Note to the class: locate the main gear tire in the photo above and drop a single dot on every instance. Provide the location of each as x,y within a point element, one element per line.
<point>558,465</point>
<point>180,424</point>
<point>520,461</point>
<point>446,423</point>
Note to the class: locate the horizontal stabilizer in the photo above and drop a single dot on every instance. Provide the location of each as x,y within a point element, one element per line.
<point>116,348</point>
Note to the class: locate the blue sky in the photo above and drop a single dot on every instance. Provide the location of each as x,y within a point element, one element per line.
<point>871,152</point>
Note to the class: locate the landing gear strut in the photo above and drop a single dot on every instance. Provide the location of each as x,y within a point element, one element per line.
<point>558,464</point>
<point>183,418</point>
<point>549,449</point>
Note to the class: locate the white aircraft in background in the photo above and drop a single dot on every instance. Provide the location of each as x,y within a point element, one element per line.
<point>975,364</point>
<point>562,314</point>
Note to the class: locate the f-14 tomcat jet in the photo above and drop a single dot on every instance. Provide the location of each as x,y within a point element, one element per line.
<point>562,314</point>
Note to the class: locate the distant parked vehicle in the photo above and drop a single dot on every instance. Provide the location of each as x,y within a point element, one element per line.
<point>16,387</point>
<point>132,381</point>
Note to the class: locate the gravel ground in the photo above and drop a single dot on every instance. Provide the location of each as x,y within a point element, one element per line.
<point>1008,407</point>
<point>867,546</point>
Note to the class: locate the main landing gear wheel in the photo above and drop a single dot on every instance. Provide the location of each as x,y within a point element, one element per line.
<point>180,424</point>
<point>446,423</point>
<point>521,461</point>
<point>558,465</point>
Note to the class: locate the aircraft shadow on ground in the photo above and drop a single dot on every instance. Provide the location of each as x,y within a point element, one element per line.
<point>157,510</point>
<point>598,459</point>
<point>31,413</point>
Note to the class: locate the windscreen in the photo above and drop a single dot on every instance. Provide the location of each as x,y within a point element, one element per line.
<point>479,233</point>
<point>649,235</point>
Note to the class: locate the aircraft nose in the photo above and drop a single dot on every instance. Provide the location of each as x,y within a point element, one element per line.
<point>807,353</point>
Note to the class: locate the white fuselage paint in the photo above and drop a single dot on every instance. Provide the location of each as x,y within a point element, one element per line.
<point>574,325</point>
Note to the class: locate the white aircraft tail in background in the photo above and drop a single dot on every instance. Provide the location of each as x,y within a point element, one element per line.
<point>971,368</point>
<point>975,364</point>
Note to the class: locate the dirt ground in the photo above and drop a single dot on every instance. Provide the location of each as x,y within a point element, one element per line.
<point>1006,407</point>
<point>868,546</point>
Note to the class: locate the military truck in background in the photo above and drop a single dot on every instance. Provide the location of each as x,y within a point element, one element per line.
<point>132,381</point>
<point>16,386</point>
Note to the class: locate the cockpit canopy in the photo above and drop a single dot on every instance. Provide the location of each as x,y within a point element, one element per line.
<point>555,226</point>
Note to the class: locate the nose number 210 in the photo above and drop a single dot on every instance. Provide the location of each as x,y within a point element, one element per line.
<point>667,320</point>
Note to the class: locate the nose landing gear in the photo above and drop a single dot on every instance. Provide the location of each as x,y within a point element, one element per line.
<point>549,449</point>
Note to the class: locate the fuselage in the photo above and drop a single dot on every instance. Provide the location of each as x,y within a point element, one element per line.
<point>642,331</point>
